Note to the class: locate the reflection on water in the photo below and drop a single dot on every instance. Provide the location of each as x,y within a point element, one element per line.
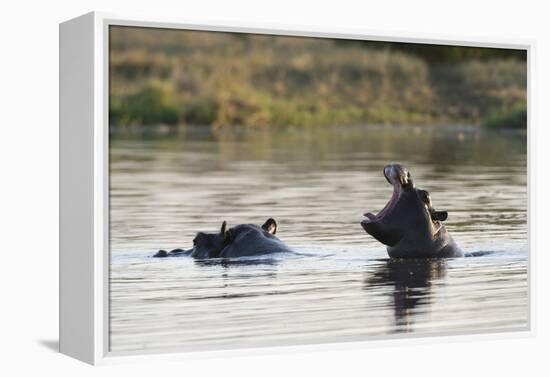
<point>411,280</point>
<point>316,183</point>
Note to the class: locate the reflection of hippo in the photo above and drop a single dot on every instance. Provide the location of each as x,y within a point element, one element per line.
<point>408,224</point>
<point>240,241</point>
<point>412,286</point>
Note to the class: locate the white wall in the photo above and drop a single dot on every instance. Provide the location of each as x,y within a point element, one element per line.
<point>29,189</point>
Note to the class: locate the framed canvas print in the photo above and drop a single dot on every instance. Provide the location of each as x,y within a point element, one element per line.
<point>226,188</point>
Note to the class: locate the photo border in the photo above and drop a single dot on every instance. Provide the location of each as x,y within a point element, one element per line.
<point>102,22</point>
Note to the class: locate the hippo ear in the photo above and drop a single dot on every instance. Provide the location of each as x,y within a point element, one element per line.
<point>270,226</point>
<point>440,215</point>
<point>226,233</point>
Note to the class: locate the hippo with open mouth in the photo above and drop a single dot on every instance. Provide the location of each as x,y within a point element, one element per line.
<point>240,241</point>
<point>409,225</point>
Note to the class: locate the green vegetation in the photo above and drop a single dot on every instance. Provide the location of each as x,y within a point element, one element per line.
<point>513,118</point>
<point>163,76</point>
<point>153,103</point>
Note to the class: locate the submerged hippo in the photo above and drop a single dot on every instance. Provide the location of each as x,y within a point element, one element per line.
<point>240,241</point>
<point>409,225</point>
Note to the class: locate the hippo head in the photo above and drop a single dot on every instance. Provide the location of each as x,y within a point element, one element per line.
<point>210,245</point>
<point>408,218</point>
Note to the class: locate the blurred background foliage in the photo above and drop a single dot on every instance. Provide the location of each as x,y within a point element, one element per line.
<point>175,77</point>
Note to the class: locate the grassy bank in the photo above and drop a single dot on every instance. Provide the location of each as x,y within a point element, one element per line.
<point>171,77</point>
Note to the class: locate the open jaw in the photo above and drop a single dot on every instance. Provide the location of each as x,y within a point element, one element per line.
<point>370,217</point>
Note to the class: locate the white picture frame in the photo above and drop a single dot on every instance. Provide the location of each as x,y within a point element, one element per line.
<point>84,185</point>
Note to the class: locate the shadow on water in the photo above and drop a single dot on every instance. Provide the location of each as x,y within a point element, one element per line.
<point>478,253</point>
<point>236,262</point>
<point>411,280</point>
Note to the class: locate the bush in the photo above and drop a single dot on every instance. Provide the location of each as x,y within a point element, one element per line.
<point>151,105</point>
<point>513,118</point>
<point>203,111</point>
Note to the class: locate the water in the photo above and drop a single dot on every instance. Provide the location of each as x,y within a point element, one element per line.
<point>316,183</point>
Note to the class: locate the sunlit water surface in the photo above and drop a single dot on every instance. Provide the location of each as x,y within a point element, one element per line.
<point>316,184</point>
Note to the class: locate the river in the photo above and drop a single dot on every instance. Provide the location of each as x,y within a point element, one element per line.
<point>316,182</point>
